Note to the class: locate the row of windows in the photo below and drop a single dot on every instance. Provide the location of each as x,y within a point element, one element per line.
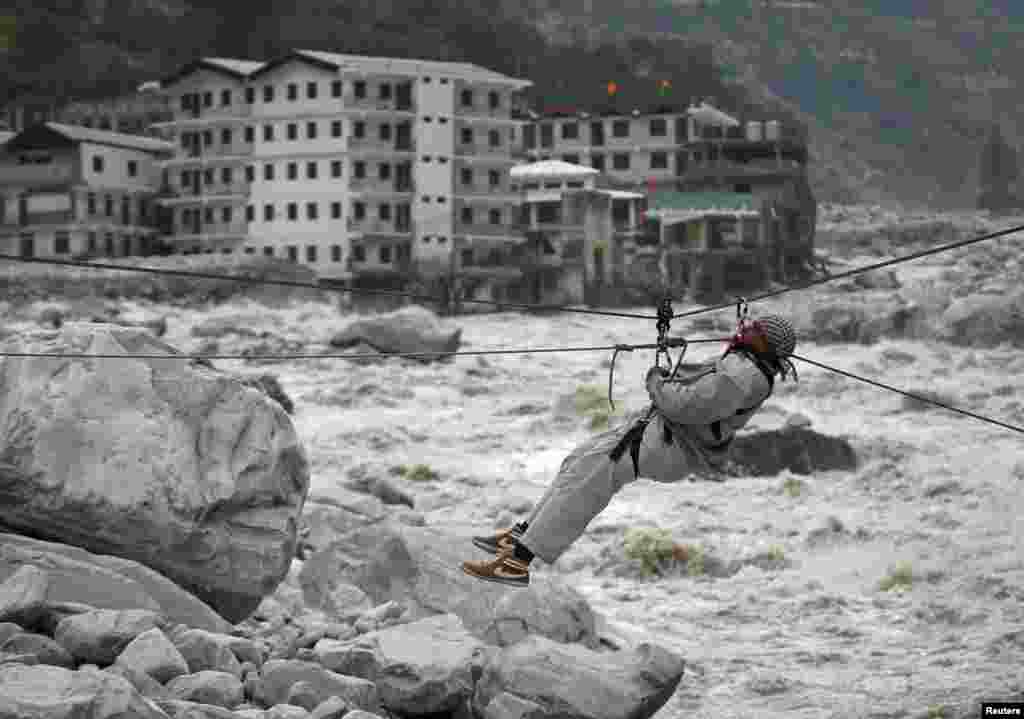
<point>384,212</point>
<point>385,91</point>
<point>99,165</point>
<point>108,206</point>
<point>656,127</point>
<point>384,133</point>
<point>62,244</point>
<point>384,253</point>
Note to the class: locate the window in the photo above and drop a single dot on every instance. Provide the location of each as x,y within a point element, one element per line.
<point>91,202</point>
<point>293,253</point>
<point>495,178</point>
<point>312,211</point>
<point>335,253</point>
<point>384,92</point>
<point>250,213</point>
<point>208,177</point>
<point>250,134</point>
<point>293,211</point>
<point>385,255</point>
<point>268,133</point>
<point>61,243</point>
<point>336,128</point>
<point>467,258</point>
<point>467,176</point>
<point>250,173</point>
<point>108,208</point>
<point>495,138</point>
<point>359,89</point>
<point>293,170</point>
<point>467,215</point>
<point>311,251</point>
<point>360,170</point>
<point>250,250</point>
<point>225,214</point>
<point>207,99</point>
<point>385,132</point>
<point>311,170</point>
<point>311,90</point>
<point>494,100</point>
<point>311,130</point>
<point>443,120</point>
<point>743,189</point>
<point>658,127</point>
<point>571,159</point>
<point>384,171</point>
<point>620,161</point>
<point>442,200</point>
<point>133,168</point>
<point>208,138</point>
<point>335,210</point>
<point>384,212</point>
<point>268,93</point>
<point>268,251</point>
<point>225,175</point>
<point>268,172</point>
<point>495,217</point>
<point>335,168</point>
<point>467,98</point>
<point>225,136</point>
<point>570,131</point>
<point>467,135</point>
<point>336,88</point>
<point>268,213</point>
<point>293,91</point>
<point>93,244</point>
<point>359,210</point>
<point>97,163</point>
<point>359,129</point>
<point>250,95</point>
<point>293,131</point>
<point>360,253</point>
<point>620,128</point>
<point>208,215</point>
<point>225,98</point>
<point>443,160</point>
<point>659,160</point>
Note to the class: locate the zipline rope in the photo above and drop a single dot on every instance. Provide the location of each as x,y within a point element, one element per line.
<point>323,285</point>
<point>857,271</point>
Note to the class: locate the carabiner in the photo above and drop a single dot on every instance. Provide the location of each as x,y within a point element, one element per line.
<point>611,371</point>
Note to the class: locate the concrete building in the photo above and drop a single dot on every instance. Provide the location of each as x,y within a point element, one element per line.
<point>581,236</point>
<point>360,167</point>
<point>131,114</point>
<point>71,191</point>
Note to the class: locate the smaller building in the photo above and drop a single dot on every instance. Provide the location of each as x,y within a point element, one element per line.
<point>580,235</point>
<point>72,191</point>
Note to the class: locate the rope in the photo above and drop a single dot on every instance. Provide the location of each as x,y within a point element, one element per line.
<point>368,355</point>
<point>859,270</point>
<point>326,285</point>
<point>908,394</point>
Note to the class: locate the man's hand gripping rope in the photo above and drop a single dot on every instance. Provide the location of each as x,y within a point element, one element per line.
<point>661,347</point>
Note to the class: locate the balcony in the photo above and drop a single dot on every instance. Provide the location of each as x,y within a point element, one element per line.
<point>207,115</point>
<point>367,145</point>
<point>376,105</point>
<point>367,186</point>
<point>484,151</point>
<point>481,230</point>
<point>483,111</point>
<point>56,174</point>
<point>181,195</point>
<point>378,227</point>
<point>195,156</point>
<point>726,169</point>
<point>207,232</point>
<point>498,192</point>
<point>61,217</point>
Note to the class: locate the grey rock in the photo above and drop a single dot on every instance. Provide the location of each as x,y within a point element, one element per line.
<point>42,647</point>
<point>279,676</point>
<point>152,653</point>
<point>100,636</point>
<point>207,687</point>
<point>36,692</point>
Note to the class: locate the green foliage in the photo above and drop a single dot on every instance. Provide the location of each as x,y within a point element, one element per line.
<point>793,487</point>
<point>419,473</point>
<point>650,546</point>
<point>900,577</point>
<point>591,401</point>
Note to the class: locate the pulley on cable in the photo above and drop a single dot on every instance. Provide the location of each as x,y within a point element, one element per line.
<point>661,347</point>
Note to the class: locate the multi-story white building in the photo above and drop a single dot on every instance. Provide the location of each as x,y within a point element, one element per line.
<point>353,165</point>
<point>68,191</point>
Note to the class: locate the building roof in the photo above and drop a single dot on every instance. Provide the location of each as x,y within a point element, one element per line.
<point>622,194</point>
<point>407,66</point>
<point>552,169</point>
<point>710,115</point>
<point>47,132</point>
<point>669,205</point>
<point>238,69</point>
<point>5,136</point>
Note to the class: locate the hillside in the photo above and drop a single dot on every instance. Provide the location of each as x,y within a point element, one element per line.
<point>906,87</point>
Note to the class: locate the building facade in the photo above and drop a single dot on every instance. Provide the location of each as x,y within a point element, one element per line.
<point>70,191</point>
<point>359,167</point>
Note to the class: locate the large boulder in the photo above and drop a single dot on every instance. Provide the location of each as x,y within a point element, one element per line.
<point>410,329</point>
<point>104,582</point>
<point>539,677</point>
<point>426,667</point>
<point>985,320</point>
<point>170,463</point>
<point>98,637</point>
<point>421,569</point>
<point>46,692</point>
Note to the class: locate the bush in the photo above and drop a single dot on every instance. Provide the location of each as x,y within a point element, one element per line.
<point>900,576</point>
<point>419,473</point>
<point>650,546</point>
<point>591,401</point>
<point>793,487</point>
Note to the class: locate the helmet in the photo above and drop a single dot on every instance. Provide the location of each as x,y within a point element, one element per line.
<point>780,334</point>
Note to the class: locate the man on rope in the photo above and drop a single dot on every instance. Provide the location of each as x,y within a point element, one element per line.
<point>686,432</point>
